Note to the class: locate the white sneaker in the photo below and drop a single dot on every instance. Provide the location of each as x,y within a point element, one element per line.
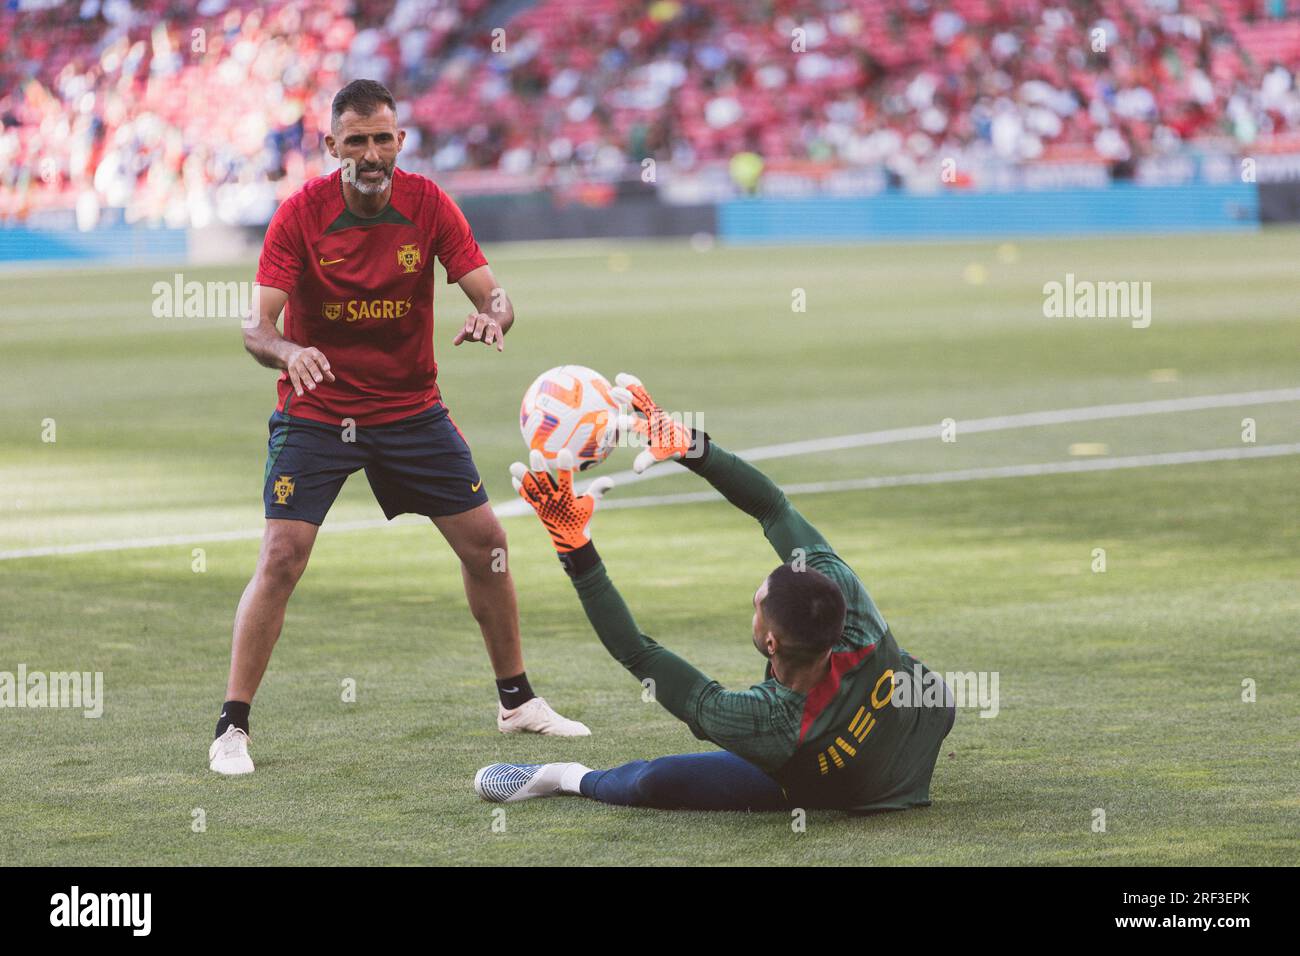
<point>229,753</point>
<point>535,716</point>
<point>512,782</point>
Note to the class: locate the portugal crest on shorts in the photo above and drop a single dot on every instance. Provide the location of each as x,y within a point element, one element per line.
<point>282,489</point>
<point>408,257</point>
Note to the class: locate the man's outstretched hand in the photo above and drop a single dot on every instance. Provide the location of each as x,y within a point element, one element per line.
<point>666,439</point>
<point>480,327</point>
<point>567,517</point>
<point>307,368</point>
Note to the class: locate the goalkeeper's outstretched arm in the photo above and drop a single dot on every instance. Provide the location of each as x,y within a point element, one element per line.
<point>748,723</point>
<point>665,677</point>
<point>740,482</point>
<point>755,494</point>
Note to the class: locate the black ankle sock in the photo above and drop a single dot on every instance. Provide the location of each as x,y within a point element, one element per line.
<point>514,691</point>
<point>234,713</point>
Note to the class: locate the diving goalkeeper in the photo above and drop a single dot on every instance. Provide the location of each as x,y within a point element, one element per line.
<point>824,729</point>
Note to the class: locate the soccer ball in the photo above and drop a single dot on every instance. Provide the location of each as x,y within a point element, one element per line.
<point>570,406</point>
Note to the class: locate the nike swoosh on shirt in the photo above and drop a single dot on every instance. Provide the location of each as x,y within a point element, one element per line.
<point>330,262</point>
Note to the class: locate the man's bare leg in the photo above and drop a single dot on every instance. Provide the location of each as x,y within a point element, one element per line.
<point>286,546</point>
<point>480,542</point>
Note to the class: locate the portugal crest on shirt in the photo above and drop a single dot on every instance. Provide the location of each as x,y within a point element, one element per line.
<point>333,310</point>
<point>408,257</point>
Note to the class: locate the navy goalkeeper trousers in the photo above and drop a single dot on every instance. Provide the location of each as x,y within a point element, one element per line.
<point>717,780</point>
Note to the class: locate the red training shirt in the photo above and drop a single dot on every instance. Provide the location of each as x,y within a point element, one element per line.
<point>361,291</point>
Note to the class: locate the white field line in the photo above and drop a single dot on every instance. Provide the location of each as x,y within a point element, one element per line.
<point>974,426</point>
<point>979,474</point>
<point>516,507</point>
<point>176,540</point>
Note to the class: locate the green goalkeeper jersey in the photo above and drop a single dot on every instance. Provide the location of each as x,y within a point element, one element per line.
<point>847,743</point>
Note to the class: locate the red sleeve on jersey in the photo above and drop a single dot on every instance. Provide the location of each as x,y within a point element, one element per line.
<point>283,253</point>
<point>454,244</point>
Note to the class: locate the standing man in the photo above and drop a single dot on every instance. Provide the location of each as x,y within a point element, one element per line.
<point>351,256</point>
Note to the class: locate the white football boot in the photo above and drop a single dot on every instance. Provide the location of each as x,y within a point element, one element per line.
<point>512,782</point>
<point>229,753</point>
<point>536,717</point>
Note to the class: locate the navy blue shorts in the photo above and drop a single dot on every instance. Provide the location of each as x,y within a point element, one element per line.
<point>419,464</point>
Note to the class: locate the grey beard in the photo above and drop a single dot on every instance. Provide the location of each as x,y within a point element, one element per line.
<point>372,189</point>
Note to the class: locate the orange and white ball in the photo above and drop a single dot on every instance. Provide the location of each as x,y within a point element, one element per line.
<point>570,406</point>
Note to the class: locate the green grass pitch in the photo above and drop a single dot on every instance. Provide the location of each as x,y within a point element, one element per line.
<point>1120,691</point>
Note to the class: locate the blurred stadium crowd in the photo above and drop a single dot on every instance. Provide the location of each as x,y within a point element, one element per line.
<point>186,113</point>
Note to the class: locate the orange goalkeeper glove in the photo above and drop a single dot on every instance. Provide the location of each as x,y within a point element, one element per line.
<point>666,439</point>
<point>566,517</point>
